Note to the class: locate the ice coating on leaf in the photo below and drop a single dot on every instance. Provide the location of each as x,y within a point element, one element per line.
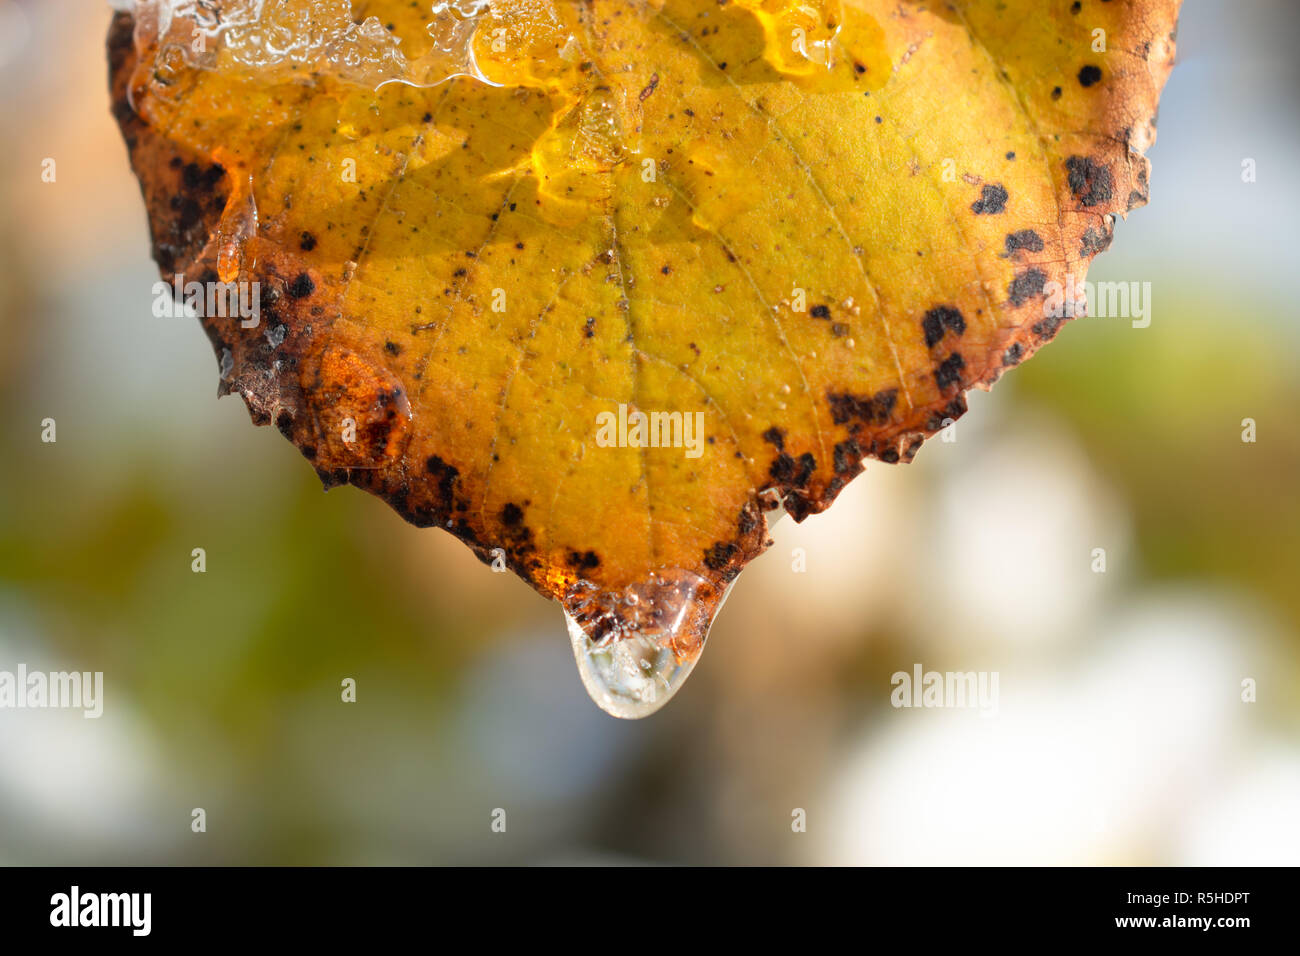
<point>316,35</point>
<point>500,42</point>
<point>520,42</point>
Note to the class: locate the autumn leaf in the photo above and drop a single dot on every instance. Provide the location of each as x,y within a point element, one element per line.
<point>597,286</point>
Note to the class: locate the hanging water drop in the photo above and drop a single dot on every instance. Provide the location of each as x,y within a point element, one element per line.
<point>634,650</point>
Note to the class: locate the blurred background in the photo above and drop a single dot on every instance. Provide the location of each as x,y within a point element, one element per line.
<point>1120,737</point>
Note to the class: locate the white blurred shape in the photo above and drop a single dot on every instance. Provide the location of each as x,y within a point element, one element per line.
<point>1097,762</point>
<point>1254,819</point>
<point>1010,555</point>
<point>73,783</point>
<point>846,555</point>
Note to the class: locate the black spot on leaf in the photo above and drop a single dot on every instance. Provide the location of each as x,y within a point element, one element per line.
<point>941,319</point>
<point>1027,284</point>
<point>1090,181</point>
<point>948,372</point>
<point>1089,75</point>
<point>793,472</point>
<point>720,554</point>
<point>1024,239</point>
<point>301,287</point>
<point>583,560</point>
<point>874,410</point>
<point>848,458</point>
<point>446,475</point>
<point>1047,328</point>
<point>993,199</point>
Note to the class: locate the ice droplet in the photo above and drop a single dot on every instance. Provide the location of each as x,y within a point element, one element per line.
<point>802,36</point>
<point>630,677</point>
<point>238,223</point>
<point>635,650</point>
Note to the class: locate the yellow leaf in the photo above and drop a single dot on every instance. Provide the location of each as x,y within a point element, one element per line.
<point>600,284</point>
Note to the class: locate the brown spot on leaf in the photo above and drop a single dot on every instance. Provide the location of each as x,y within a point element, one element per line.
<point>1094,241</point>
<point>360,409</point>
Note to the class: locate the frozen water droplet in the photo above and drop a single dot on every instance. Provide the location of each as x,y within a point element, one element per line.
<point>573,158</point>
<point>634,650</point>
<point>801,34</point>
<point>632,676</point>
<point>237,225</point>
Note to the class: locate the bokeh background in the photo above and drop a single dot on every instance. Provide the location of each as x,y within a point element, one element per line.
<point>1121,736</point>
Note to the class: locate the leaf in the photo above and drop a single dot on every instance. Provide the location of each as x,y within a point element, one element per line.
<point>814,225</point>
